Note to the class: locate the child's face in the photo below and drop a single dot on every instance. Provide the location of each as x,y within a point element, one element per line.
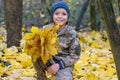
<point>60,17</point>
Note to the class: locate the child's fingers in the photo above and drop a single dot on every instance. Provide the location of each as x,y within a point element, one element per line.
<point>50,70</point>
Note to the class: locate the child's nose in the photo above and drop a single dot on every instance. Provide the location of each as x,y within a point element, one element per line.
<point>60,15</point>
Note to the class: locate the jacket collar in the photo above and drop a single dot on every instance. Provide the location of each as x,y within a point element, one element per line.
<point>63,31</point>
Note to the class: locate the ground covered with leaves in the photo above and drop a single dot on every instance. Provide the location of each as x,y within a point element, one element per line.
<point>96,61</point>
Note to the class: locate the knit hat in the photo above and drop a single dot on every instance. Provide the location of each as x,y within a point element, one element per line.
<point>60,4</point>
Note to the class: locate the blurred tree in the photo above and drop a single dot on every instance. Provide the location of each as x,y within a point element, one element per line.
<point>43,2</point>
<point>13,13</point>
<point>92,15</point>
<point>47,11</point>
<point>119,6</point>
<point>1,11</point>
<point>81,14</point>
<point>113,30</point>
<point>35,10</point>
<point>1,4</point>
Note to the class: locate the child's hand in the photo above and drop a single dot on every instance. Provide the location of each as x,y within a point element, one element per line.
<point>53,69</point>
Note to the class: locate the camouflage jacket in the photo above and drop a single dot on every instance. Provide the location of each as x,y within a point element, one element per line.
<point>68,48</point>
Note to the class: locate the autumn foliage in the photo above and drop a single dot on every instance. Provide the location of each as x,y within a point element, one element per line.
<point>41,43</point>
<point>96,61</point>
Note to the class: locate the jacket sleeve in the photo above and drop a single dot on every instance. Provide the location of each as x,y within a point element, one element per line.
<point>74,53</point>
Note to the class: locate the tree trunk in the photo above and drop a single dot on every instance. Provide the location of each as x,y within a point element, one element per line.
<point>13,12</point>
<point>40,69</point>
<point>39,20</point>
<point>43,3</point>
<point>1,11</point>
<point>80,17</point>
<point>1,4</point>
<point>112,29</point>
<point>48,6</point>
<point>119,6</point>
<point>93,15</point>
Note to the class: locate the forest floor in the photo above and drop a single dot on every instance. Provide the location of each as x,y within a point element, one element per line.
<point>96,61</point>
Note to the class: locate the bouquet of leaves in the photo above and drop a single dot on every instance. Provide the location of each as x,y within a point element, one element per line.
<point>41,43</point>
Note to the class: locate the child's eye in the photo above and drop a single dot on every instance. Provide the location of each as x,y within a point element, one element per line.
<point>56,13</point>
<point>64,14</point>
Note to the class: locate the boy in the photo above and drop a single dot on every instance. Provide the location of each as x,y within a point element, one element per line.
<point>61,65</point>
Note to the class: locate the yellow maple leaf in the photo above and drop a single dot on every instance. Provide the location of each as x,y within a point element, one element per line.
<point>79,69</point>
<point>15,64</point>
<point>28,72</point>
<point>28,36</point>
<point>34,29</point>
<point>41,14</point>
<point>25,60</point>
<point>91,76</point>
<point>110,70</point>
<point>1,70</point>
